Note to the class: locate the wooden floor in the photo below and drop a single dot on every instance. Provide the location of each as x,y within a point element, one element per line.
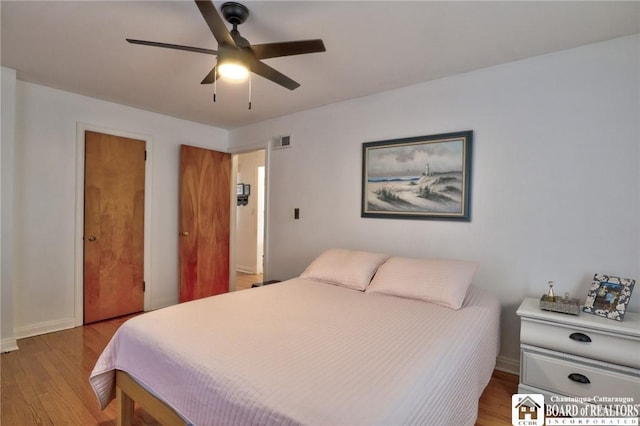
<point>45,382</point>
<point>495,402</point>
<point>244,281</point>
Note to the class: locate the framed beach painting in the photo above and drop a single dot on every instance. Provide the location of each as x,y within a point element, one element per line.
<point>424,177</point>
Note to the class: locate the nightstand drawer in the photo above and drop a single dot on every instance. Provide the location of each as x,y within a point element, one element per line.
<point>618,349</point>
<point>571,377</point>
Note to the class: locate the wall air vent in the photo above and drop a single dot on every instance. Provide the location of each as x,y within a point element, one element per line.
<point>281,142</point>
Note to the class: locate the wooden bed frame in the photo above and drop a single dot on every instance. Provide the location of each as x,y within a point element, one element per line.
<point>128,392</point>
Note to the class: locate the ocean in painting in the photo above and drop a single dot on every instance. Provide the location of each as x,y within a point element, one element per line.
<point>395,179</point>
<point>434,193</point>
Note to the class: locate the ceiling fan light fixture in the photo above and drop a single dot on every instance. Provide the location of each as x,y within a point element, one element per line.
<point>233,71</point>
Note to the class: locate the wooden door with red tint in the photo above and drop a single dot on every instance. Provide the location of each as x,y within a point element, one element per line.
<point>205,220</point>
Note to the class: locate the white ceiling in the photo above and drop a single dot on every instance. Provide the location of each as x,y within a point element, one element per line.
<point>79,46</point>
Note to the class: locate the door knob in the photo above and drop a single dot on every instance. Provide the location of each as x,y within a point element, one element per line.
<point>92,238</point>
<point>184,234</point>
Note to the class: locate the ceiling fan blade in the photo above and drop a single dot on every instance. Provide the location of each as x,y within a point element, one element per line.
<point>173,46</point>
<point>215,22</point>
<point>269,73</point>
<point>288,48</point>
<point>211,77</point>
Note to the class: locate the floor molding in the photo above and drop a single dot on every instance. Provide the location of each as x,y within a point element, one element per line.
<point>8,345</point>
<point>44,327</point>
<point>508,365</point>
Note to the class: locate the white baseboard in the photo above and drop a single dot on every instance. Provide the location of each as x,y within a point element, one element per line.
<point>44,327</point>
<point>508,365</point>
<point>8,345</point>
<point>246,269</point>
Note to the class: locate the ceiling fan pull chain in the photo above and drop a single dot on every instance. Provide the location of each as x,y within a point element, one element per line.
<point>215,82</point>
<point>249,91</point>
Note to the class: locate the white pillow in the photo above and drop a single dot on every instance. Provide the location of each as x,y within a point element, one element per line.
<point>347,268</point>
<point>444,282</point>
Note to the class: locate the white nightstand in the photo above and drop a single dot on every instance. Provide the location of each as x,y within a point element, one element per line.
<point>580,356</point>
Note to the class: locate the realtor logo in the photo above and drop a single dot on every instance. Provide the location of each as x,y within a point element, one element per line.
<point>527,409</point>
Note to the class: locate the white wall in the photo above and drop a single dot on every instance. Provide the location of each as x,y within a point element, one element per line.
<point>45,198</point>
<point>555,190</point>
<point>7,123</point>
<point>247,216</point>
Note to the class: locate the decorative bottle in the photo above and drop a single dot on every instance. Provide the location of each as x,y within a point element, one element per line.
<point>550,296</point>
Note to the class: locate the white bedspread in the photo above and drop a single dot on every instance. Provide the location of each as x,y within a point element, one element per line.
<point>305,352</point>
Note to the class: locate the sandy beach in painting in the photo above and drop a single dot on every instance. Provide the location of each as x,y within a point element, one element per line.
<point>437,193</point>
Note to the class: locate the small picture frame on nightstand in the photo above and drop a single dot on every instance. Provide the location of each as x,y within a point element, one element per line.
<point>608,296</point>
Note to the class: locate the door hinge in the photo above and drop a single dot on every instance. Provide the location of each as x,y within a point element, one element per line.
<point>144,286</point>
<point>145,155</point>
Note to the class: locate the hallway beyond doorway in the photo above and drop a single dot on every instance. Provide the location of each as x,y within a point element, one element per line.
<point>244,280</point>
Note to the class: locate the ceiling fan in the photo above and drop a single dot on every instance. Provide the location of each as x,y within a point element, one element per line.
<point>235,53</point>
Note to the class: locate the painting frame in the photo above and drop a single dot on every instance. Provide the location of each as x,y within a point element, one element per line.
<point>608,296</point>
<point>423,177</point>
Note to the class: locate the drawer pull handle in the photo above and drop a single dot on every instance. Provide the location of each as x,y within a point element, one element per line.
<point>580,337</point>
<point>579,378</point>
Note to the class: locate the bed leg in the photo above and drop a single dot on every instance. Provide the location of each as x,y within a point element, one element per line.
<point>124,407</point>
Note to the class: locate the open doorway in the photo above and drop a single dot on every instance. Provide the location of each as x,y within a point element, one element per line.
<point>250,218</point>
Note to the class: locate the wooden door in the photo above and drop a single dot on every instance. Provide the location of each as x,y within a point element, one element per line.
<point>205,221</point>
<point>113,226</point>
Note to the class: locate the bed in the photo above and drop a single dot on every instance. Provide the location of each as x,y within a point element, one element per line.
<point>308,351</point>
